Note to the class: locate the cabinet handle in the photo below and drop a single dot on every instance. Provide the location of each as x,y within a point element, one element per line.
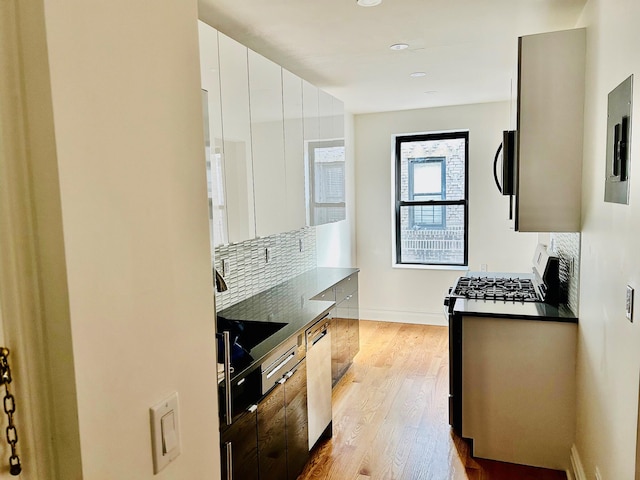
<point>281,364</point>
<point>229,461</point>
<point>252,408</point>
<point>282,380</point>
<point>227,376</point>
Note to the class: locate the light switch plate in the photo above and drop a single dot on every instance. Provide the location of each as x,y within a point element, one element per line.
<point>629,303</point>
<point>165,435</point>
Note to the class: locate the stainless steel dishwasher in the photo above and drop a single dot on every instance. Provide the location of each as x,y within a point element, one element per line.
<point>318,338</point>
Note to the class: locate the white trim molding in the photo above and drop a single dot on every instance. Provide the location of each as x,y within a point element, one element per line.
<point>576,465</point>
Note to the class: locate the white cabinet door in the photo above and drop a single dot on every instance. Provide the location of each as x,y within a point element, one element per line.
<point>267,143</point>
<point>325,114</point>
<point>294,149</point>
<point>214,148</point>
<point>311,138</point>
<point>338,119</point>
<point>326,164</point>
<point>236,129</point>
<point>550,124</point>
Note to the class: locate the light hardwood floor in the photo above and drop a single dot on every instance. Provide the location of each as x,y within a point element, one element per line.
<point>390,418</point>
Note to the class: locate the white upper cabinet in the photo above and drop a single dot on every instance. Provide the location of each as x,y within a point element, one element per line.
<point>214,148</point>
<point>551,81</point>
<point>236,129</point>
<point>325,114</point>
<point>326,163</point>
<point>338,118</point>
<point>267,143</point>
<point>293,150</point>
<point>275,149</point>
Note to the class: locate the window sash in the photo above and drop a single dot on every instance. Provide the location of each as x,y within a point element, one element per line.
<point>399,203</point>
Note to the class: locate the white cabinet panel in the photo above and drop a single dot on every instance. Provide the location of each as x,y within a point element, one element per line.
<point>550,129</point>
<point>275,158</point>
<point>267,143</point>
<point>214,148</point>
<point>325,114</point>
<point>519,389</point>
<point>310,111</point>
<point>294,149</point>
<point>326,164</point>
<point>236,129</point>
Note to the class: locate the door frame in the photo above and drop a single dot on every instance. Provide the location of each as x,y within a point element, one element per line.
<point>20,300</point>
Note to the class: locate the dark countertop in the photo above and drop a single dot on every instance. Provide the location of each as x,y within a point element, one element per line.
<point>280,313</point>
<point>514,310</point>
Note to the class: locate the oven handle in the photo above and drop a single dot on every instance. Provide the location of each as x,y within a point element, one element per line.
<point>227,376</point>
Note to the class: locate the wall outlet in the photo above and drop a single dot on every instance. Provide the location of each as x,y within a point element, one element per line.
<point>267,255</point>
<point>629,303</point>
<point>225,267</point>
<point>483,267</point>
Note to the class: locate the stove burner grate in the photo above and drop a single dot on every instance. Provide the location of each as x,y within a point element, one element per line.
<point>489,288</point>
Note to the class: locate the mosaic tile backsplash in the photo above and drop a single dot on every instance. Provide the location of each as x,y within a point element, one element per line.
<point>250,273</point>
<point>567,247</point>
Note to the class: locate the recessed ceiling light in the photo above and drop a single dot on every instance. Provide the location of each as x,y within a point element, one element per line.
<point>431,92</point>
<point>418,74</point>
<point>399,46</point>
<point>368,3</point>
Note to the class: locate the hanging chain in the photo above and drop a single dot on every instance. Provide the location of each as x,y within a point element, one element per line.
<point>9,408</point>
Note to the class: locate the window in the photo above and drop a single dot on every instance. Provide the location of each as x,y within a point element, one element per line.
<point>427,181</point>
<point>431,205</point>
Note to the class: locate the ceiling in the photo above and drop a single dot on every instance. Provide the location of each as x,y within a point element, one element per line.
<point>467,48</point>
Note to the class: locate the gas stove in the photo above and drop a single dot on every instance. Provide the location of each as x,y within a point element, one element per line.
<point>512,289</point>
<point>542,285</point>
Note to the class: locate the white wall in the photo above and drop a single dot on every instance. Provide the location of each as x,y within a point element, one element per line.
<point>335,242</point>
<point>608,349</point>
<point>120,194</point>
<point>413,295</point>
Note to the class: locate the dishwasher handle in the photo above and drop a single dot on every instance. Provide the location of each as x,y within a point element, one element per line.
<point>319,336</point>
<point>317,332</point>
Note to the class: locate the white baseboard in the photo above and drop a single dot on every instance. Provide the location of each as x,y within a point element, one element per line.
<point>404,317</point>
<point>576,465</point>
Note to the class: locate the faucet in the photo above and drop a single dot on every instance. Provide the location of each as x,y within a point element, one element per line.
<point>221,285</point>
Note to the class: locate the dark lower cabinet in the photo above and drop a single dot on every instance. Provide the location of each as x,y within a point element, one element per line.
<point>353,333</point>
<point>272,439</point>
<point>340,342</point>
<point>295,401</point>
<point>345,324</point>
<point>345,333</point>
<point>283,428</point>
<point>239,449</point>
